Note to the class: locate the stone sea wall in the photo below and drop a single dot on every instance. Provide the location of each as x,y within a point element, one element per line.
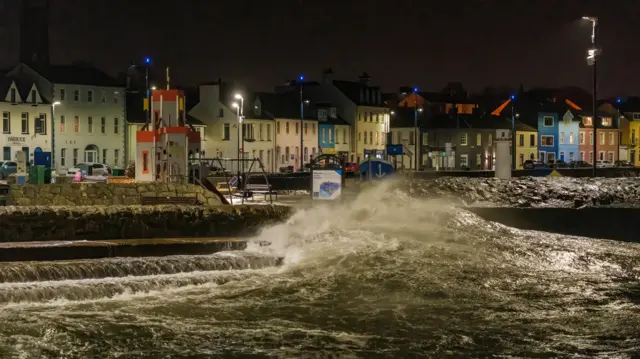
<point>87,194</point>
<point>72,223</point>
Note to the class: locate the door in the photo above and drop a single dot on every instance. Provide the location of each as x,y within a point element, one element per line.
<point>551,157</point>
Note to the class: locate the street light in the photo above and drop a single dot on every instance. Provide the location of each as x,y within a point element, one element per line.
<point>301,131</point>
<point>147,64</point>
<point>238,108</point>
<point>53,128</point>
<point>153,88</point>
<point>593,52</point>
<point>513,132</point>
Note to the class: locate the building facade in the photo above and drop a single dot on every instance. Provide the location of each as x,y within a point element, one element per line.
<point>568,133</point>
<point>607,145</point>
<point>26,119</point>
<point>526,144</point>
<point>89,118</point>
<point>547,136</point>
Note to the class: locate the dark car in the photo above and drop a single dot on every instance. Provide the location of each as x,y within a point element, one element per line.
<point>351,167</point>
<point>557,164</point>
<point>580,164</point>
<point>532,165</point>
<point>623,164</point>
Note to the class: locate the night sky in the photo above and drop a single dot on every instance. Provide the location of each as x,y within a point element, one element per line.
<point>400,42</point>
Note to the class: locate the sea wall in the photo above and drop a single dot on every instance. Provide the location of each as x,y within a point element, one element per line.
<point>87,194</point>
<point>46,223</point>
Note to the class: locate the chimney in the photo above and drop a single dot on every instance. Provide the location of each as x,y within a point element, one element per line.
<point>327,75</point>
<point>364,79</point>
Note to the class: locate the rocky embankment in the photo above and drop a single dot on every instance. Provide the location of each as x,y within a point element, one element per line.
<point>533,191</point>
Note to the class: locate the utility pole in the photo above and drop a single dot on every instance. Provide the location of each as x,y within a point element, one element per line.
<point>591,60</point>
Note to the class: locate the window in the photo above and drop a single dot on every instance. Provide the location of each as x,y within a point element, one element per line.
<point>76,124</point>
<point>286,127</point>
<point>611,157</point>
<point>571,156</point>
<point>277,127</point>
<point>571,138</point>
<point>464,161</point>
<point>116,125</point>
<point>361,117</point>
<point>490,141</point>
<point>581,156</point>
<point>286,155</point>
<point>313,128</point>
<point>103,98</point>
<point>75,156</point>
<point>591,157</point>
<point>591,138</point>
<point>377,137</point>
<point>344,135</point>
<point>562,138</point>
<point>63,157</point>
<point>612,138</point>
<point>359,136</point>
<point>90,124</point>
<point>581,138</point>
<point>548,121</point>
<point>103,125</point>
<point>89,96</point>
<point>76,96</point>
<point>221,112</point>
<point>412,138</point>
<point>268,132</point>
<point>6,122</point>
<point>463,139</point>
<point>40,124</point>
<point>322,131</point>
<point>226,132</point>
<point>479,139</point>
<point>306,153</point>
<point>145,162</point>
<point>297,130</point>
<point>104,156</point>
<point>478,160</point>
<point>601,155</point>
<point>602,138</point>
<point>63,94</point>
<point>521,140</point>
<point>247,131</point>
<point>13,95</point>
<point>6,153</point>
<point>62,123</point>
<point>606,121</point>
<point>260,132</point>
<point>116,157</point>
<point>546,141</point>
<point>33,96</point>
<point>636,116</point>
<point>532,140</point>
<point>587,121</point>
<point>370,116</point>
<point>25,123</point>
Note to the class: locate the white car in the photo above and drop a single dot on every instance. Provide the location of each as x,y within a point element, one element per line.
<point>90,170</point>
<point>604,164</point>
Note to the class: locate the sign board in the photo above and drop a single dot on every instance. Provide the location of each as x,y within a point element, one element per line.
<point>16,140</point>
<point>326,184</point>
<point>21,161</point>
<point>394,150</point>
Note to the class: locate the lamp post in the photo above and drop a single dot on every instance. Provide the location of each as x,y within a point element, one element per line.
<point>593,52</point>
<point>513,133</point>
<point>53,137</point>
<point>239,113</point>
<point>147,64</point>
<point>301,132</point>
<point>415,129</point>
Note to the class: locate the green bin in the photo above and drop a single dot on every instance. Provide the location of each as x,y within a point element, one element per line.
<point>117,172</point>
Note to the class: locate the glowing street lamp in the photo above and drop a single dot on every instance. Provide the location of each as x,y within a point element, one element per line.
<point>53,131</point>
<point>592,54</point>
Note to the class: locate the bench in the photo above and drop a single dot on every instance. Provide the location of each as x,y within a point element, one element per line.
<point>261,188</point>
<point>169,200</point>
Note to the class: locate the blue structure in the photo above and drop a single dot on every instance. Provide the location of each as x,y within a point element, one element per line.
<point>568,137</point>
<point>326,137</point>
<point>379,168</point>
<point>548,136</point>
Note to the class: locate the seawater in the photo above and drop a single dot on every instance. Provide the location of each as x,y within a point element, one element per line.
<point>385,276</point>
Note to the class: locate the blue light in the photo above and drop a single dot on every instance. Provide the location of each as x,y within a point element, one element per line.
<point>618,100</point>
<point>415,89</point>
<point>513,97</point>
<point>301,78</point>
<point>147,60</point>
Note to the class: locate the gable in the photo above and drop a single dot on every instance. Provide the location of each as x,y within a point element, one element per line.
<point>33,96</point>
<point>13,89</point>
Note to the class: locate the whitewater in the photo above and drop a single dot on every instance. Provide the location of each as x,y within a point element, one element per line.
<point>387,275</point>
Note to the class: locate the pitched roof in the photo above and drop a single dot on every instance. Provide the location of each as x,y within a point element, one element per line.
<point>282,105</point>
<point>23,85</point>
<point>353,90</point>
<point>75,75</point>
<point>480,122</point>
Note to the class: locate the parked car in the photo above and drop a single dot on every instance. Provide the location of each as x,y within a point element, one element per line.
<point>580,164</point>
<point>8,168</point>
<point>623,164</point>
<point>557,164</point>
<point>604,164</point>
<point>533,165</point>
<point>90,169</point>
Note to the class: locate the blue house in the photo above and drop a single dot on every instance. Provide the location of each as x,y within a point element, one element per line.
<point>548,136</point>
<point>568,132</point>
<point>326,137</point>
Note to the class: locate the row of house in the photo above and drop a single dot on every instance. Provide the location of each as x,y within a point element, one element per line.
<point>87,116</point>
<point>460,135</point>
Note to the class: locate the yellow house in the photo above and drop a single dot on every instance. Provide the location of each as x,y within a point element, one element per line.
<point>526,143</point>
<point>634,142</point>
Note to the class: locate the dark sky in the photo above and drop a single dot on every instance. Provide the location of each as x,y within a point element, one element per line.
<point>399,42</point>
